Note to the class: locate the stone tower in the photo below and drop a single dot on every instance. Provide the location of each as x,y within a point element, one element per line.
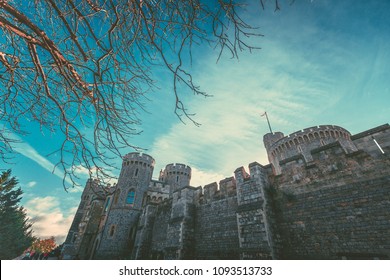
<point>302,143</point>
<point>176,175</point>
<point>254,230</point>
<point>69,248</point>
<point>124,206</point>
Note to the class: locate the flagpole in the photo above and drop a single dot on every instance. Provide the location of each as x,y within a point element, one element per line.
<point>269,125</point>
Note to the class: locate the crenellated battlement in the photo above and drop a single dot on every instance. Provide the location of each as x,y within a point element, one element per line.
<point>158,191</point>
<point>210,190</point>
<point>321,182</point>
<point>177,166</point>
<point>156,197</point>
<point>158,186</point>
<point>215,191</point>
<point>177,175</point>
<point>178,169</point>
<point>138,158</point>
<point>302,142</point>
<point>327,133</point>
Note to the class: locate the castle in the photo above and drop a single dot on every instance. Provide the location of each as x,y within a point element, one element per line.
<point>325,194</point>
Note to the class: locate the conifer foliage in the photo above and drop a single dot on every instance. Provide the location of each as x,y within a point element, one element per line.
<point>15,227</point>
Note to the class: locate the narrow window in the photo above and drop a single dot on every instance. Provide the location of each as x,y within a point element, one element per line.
<point>112,230</point>
<point>177,179</point>
<point>107,204</point>
<point>136,173</point>
<point>117,196</point>
<point>130,198</point>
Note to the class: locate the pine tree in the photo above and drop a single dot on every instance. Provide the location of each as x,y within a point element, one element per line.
<point>15,227</point>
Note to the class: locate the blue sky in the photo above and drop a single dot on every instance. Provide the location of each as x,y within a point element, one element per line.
<point>321,62</point>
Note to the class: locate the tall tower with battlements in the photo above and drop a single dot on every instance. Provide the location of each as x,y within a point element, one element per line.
<point>123,208</point>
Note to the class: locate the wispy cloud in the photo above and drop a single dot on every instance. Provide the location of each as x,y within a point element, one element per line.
<point>201,177</point>
<point>31,184</point>
<point>48,219</point>
<point>28,151</point>
<point>291,81</point>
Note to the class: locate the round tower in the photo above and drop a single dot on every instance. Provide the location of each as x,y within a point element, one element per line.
<point>177,175</point>
<point>135,176</point>
<point>269,140</point>
<point>122,209</point>
<point>280,147</point>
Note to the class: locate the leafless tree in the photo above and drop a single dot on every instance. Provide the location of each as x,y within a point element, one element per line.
<point>73,64</point>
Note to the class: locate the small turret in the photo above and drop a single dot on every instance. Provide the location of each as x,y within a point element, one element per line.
<point>177,175</point>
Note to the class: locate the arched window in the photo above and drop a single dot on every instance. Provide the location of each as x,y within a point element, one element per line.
<point>130,197</point>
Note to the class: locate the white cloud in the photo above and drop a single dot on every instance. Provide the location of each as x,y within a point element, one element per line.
<point>81,170</point>
<point>31,184</point>
<point>291,81</point>
<point>28,151</point>
<point>48,219</point>
<point>202,178</point>
<point>232,128</point>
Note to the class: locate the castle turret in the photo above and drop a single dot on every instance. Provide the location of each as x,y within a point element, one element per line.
<point>124,207</point>
<point>176,175</point>
<point>301,143</point>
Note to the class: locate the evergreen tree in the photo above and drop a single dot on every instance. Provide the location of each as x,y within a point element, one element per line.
<point>15,228</point>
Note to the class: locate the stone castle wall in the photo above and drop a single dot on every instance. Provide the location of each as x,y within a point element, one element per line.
<point>336,206</point>
<point>216,232</point>
<point>327,199</point>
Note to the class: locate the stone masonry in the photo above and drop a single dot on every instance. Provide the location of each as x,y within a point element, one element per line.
<point>324,195</point>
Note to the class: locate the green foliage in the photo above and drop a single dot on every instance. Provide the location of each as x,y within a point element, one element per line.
<point>15,229</point>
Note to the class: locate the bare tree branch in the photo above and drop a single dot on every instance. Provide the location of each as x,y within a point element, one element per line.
<point>81,69</point>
